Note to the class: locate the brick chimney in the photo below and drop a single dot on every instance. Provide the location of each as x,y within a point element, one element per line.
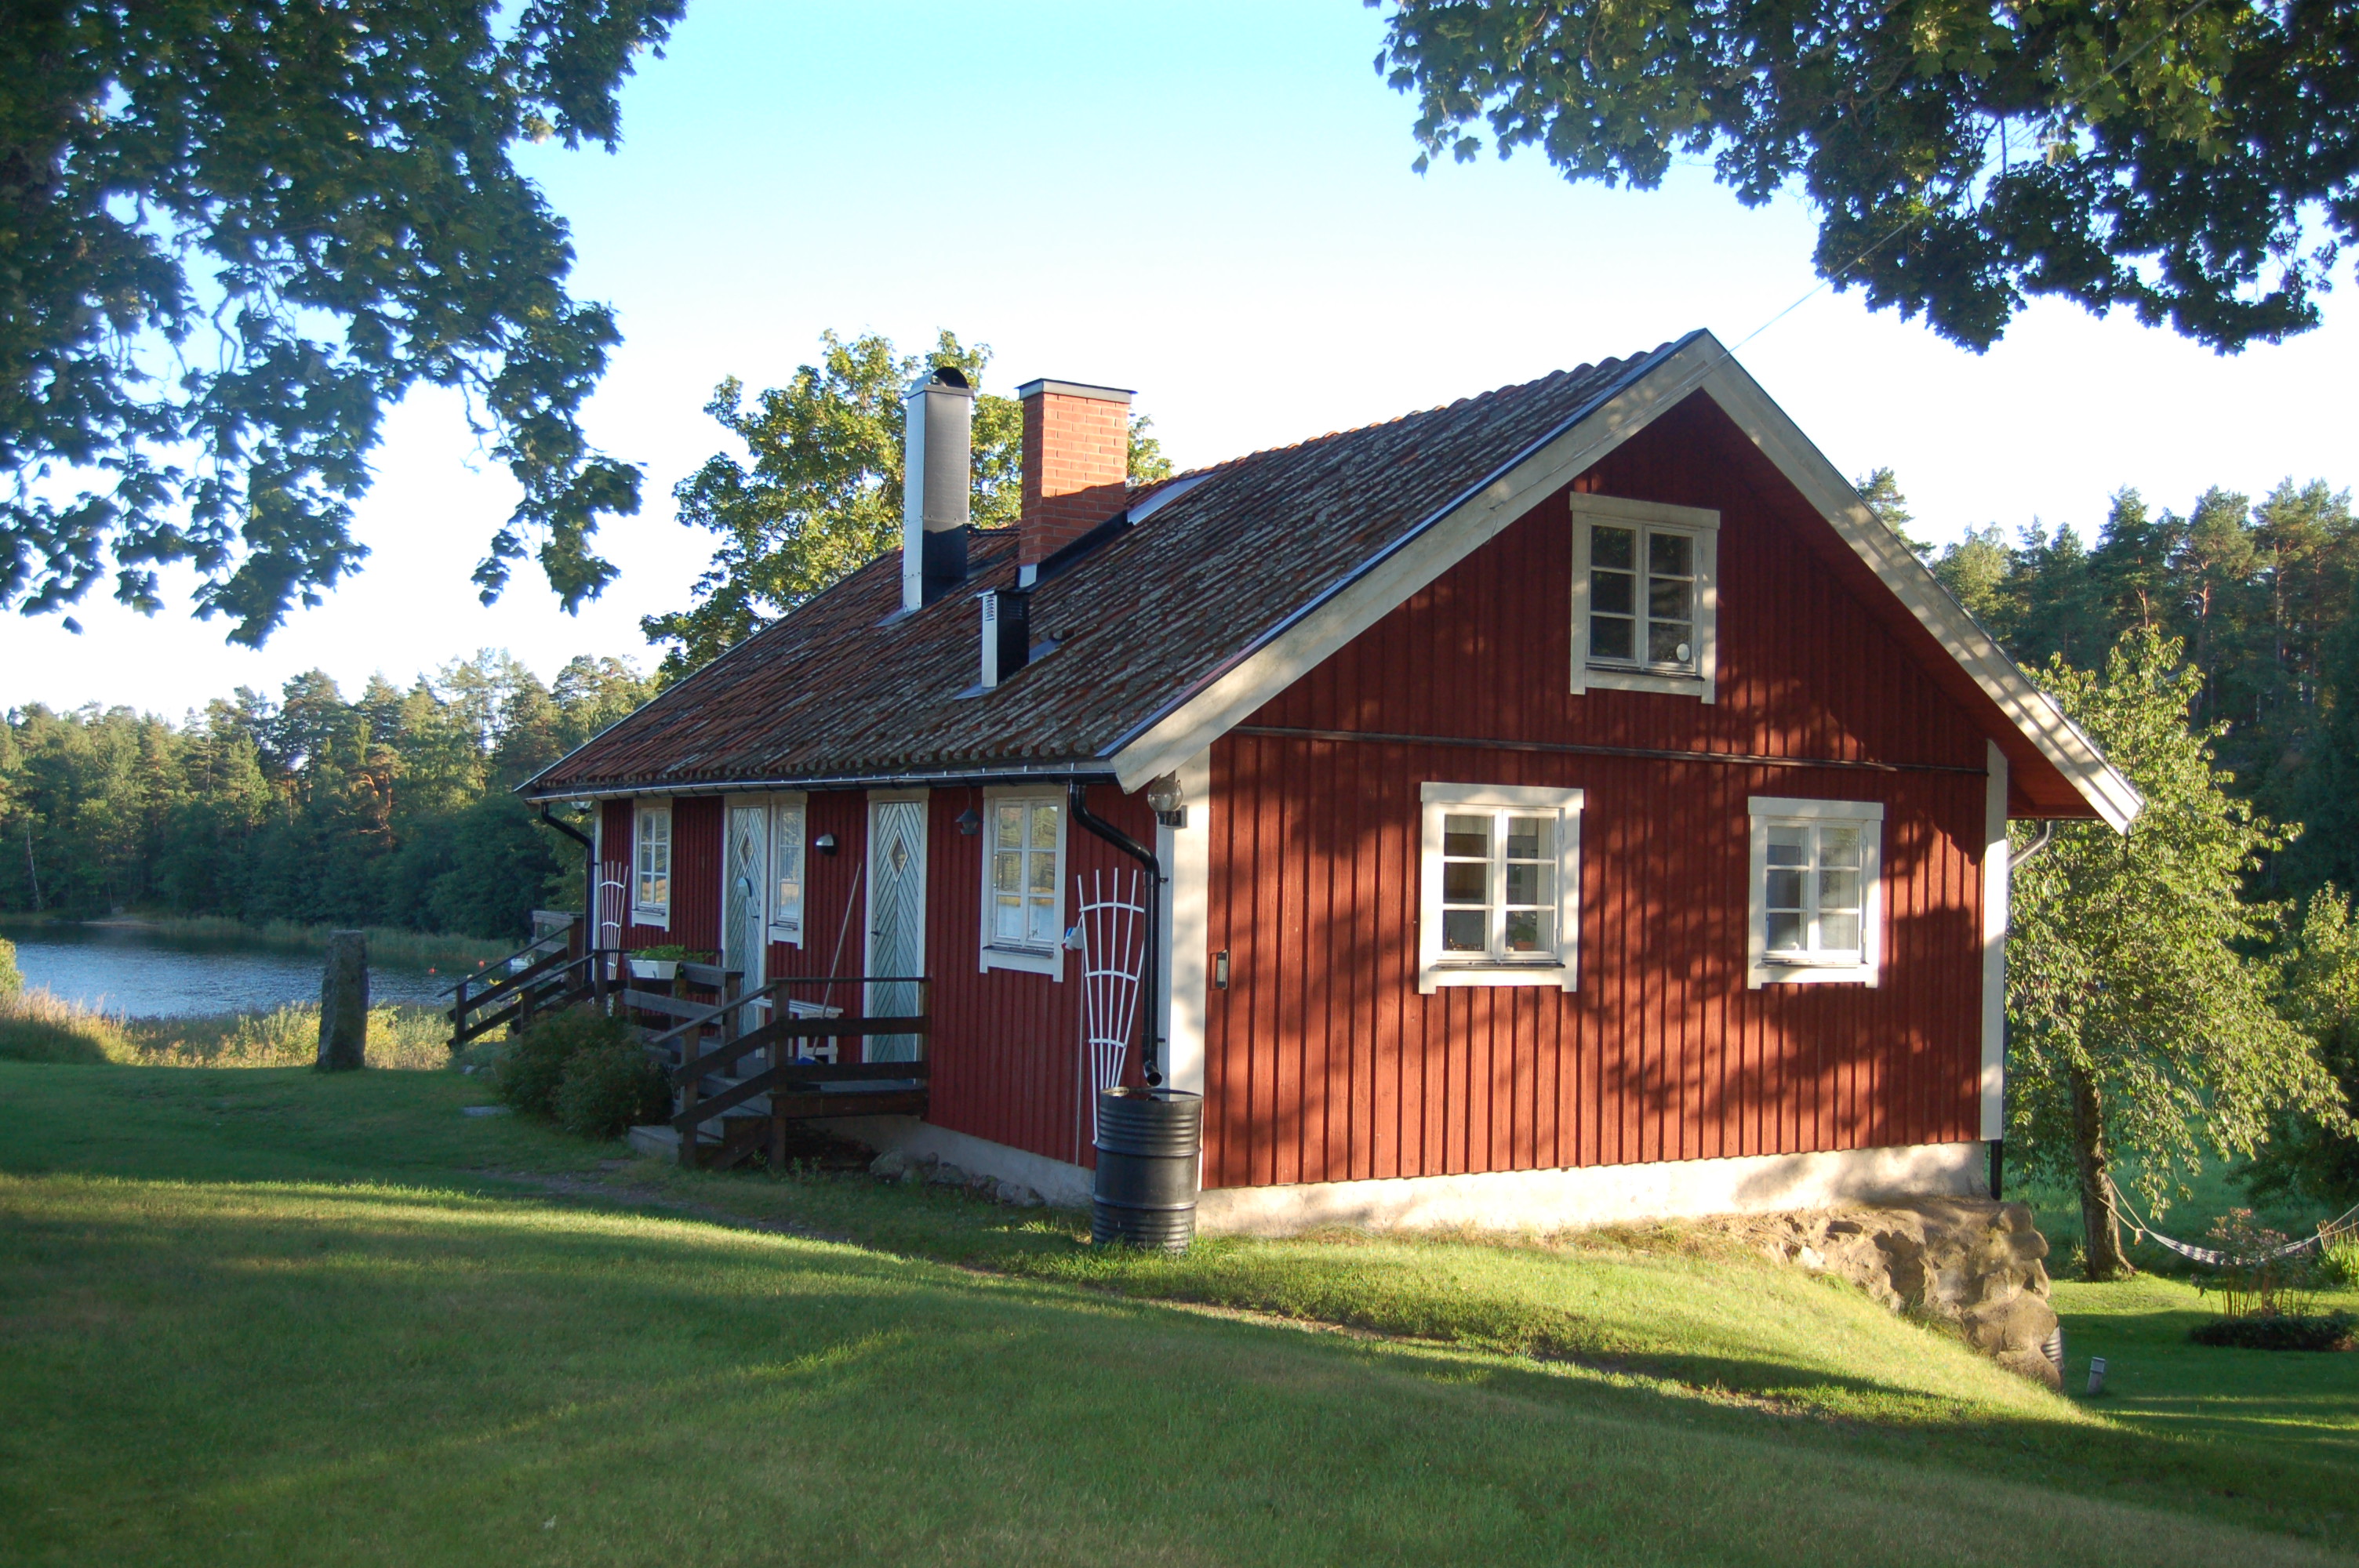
<point>1076,463</point>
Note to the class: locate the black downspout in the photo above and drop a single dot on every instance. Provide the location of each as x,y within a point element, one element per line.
<point>1150,1047</point>
<point>589,876</point>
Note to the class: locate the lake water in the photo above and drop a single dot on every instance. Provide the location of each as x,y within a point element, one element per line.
<point>125,970</point>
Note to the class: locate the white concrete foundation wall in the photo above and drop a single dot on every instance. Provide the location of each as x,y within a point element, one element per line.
<point>1604,1195</point>
<point>1056,1181</point>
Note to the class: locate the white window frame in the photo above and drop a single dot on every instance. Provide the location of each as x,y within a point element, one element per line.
<point>1779,811</point>
<point>1030,961</point>
<point>642,912</point>
<point>793,807</point>
<point>1436,969</point>
<point>1702,527</point>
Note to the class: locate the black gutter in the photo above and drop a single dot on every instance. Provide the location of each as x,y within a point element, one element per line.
<point>1150,1043</point>
<point>943,778</point>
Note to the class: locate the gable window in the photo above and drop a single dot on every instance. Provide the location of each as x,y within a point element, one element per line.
<point>1816,903</point>
<point>651,896</point>
<point>1645,597</point>
<point>1023,880</point>
<point>1498,886</point>
<point>786,816</point>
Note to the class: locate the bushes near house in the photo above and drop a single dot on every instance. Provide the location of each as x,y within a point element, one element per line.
<point>583,1071</point>
<point>606,1090</point>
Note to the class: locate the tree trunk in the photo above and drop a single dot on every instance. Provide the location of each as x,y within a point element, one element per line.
<point>343,1003</point>
<point>2099,1222</point>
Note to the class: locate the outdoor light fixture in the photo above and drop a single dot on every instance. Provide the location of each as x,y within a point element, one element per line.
<point>824,843</point>
<point>969,823</point>
<point>1171,805</point>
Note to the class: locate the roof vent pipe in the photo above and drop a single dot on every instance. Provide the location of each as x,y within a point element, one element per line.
<point>937,479</point>
<point>1007,633</point>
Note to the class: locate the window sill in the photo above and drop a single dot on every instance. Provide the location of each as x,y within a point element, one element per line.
<point>658,918</point>
<point>1025,960</point>
<point>1779,972</point>
<point>1616,677</point>
<point>1435,977</point>
<point>787,936</point>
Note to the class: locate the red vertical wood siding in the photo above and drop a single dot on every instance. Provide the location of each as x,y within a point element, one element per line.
<point>695,870</point>
<point>1324,1063</point>
<point>1006,1046</point>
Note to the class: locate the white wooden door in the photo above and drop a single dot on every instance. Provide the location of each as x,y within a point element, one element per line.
<point>896,915</point>
<point>745,879</point>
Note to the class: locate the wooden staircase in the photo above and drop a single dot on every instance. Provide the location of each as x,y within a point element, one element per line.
<point>742,1064</point>
<point>734,1087</point>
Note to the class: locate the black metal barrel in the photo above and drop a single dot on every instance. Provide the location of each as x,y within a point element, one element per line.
<point>1151,1143</point>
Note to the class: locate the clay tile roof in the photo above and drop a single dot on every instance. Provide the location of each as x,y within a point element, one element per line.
<point>845,690</point>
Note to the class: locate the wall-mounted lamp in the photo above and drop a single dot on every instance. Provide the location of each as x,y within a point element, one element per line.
<point>970,822</point>
<point>1169,805</point>
<point>824,843</point>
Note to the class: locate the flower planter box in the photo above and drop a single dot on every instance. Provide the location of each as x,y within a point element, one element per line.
<point>653,969</point>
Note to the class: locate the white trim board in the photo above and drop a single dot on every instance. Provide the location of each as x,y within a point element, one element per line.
<point>1700,362</point>
<point>1995,920</point>
<point>2112,797</point>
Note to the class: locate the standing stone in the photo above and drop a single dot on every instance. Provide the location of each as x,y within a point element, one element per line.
<point>344,1002</point>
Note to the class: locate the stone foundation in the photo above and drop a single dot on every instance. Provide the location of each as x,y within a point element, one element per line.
<point>1966,1262</point>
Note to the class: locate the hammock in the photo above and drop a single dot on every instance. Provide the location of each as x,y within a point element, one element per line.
<point>2347,1224</point>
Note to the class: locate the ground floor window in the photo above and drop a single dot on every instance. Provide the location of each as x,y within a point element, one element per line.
<point>651,897</point>
<point>1023,880</point>
<point>1815,904</point>
<point>1499,885</point>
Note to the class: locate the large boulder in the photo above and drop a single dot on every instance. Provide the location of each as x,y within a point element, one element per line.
<point>1969,1262</point>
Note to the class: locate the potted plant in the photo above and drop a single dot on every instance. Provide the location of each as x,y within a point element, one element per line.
<point>659,963</point>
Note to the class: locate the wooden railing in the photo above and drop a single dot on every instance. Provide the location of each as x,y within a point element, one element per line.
<point>549,972</point>
<point>705,1031</point>
<point>703,1055</point>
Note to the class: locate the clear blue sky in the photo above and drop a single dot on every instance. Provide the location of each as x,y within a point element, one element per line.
<point>1211,204</point>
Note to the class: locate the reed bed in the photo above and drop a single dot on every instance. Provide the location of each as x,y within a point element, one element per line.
<point>387,944</point>
<point>39,1026</point>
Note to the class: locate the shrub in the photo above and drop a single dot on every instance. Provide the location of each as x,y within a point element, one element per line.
<point>2279,1331</point>
<point>534,1067</point>
<point>608,1090</point>
<point>2338,1261</point>
<point>12,979</point>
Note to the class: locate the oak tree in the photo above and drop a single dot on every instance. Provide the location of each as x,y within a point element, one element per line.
<point>2197,163</point>
<point>821,496</point>
<point>232,235</point>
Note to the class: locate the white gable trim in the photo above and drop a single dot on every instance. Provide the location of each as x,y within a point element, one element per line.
<point>1447,539</point>
<point>2111,795</point>
<point>1441,543</point>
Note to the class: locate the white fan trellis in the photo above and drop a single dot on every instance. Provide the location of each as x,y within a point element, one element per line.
<point>614,888</point>
<point>1110,936</point>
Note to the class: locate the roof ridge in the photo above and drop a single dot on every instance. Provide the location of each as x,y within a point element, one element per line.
<point>1576,373</point>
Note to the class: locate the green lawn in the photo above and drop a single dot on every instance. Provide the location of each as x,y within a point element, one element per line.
<point>262,1317</point>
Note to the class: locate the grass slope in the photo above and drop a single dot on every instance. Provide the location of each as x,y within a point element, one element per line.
<point>263,1316</point>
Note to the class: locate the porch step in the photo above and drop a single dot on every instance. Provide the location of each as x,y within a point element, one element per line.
<point>661,1142</point>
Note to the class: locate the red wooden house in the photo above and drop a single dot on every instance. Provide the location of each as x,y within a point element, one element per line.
<point>1574,805</point>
